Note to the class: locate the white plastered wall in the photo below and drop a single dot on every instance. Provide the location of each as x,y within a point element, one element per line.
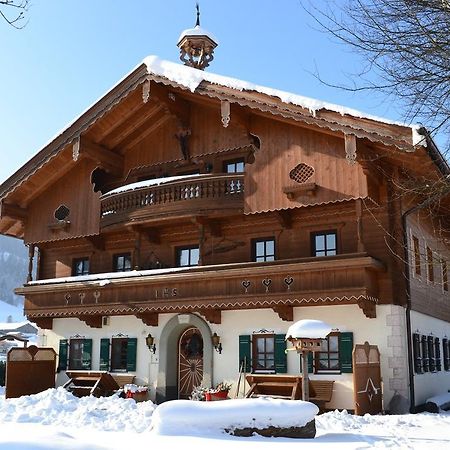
<point>386,331</point>
<point>428,384</point>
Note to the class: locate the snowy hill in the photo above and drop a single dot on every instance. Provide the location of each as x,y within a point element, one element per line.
<point>13,271</point>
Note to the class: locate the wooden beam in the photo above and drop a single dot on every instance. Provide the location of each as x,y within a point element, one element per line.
<point>92,321</point>
<point>284,217</point>
<point>12,211</point>
<point>98,242</point>
<point>46,323</point>
<point>368,308</point>
<point>149,318</point>
<point>285,312</point>
<point>105,158</point>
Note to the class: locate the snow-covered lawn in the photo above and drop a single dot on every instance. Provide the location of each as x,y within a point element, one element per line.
<point>55,420</point>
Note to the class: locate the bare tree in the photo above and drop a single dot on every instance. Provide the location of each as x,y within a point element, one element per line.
<point>13,12</point>
<point>406,44</point>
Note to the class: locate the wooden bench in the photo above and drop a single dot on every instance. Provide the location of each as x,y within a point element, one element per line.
<point>289,387</point>
<point>82,383</point>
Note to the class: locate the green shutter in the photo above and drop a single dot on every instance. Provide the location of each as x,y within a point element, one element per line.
<point>86,361</point>
<point>345,352</point>
<point>131,354</point>
<point>63,351</point>
<point>280,354</point>
<point>245,352</point>
<point>104,354</point>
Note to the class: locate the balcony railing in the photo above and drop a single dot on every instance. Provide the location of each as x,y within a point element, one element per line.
<point>280,285</point>
<point>208,194</point>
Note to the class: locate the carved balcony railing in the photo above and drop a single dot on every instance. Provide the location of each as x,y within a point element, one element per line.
<point>200,195</point>
<point>279,285</point>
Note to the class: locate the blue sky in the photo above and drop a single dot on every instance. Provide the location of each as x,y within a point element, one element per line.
<point>71,52</point>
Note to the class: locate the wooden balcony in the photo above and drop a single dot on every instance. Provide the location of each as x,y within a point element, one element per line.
<point>210,195</point>
<point>280,285</point>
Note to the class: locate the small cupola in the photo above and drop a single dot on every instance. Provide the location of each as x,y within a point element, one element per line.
<point>197,45</point>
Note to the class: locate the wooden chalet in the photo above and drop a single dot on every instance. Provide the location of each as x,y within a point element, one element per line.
<point>185,220</point>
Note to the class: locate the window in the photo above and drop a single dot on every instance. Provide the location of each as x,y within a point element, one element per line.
<point>80,266</point>
<point>328,357</point>
<point>188,256</point>
<point>75,354</point>
<point>424,349</point>
<point>437,354</point>
<point>324,243</point>
<point>264,249</point>
<point>233,166</point>
<point>416,250</point>
<point>417,352</point>
<point>446,352</point>
<point>118,354</point>
<point>444,275</point>
<point>263,353</point>
<point>122,262</point>
<point>431,354</point>
<point>430,265</point>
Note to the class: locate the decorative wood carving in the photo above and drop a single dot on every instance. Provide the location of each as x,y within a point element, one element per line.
<point>246,284</point>
<point>30,262</point>
<point>149,318</point>
<point>350,148</point>
<point>368,307</point>
<point>92,321</point>
<point>225,112</point>
<point>284,217</point>
<point>46,323</point>
<point>76,149</point>
<point>293,192</point>
<point>212,315</point>
<point>285,312</point>
<point>146,90</point>
<point>182,136</point>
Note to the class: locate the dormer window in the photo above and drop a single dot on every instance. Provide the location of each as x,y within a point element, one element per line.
<point>122,262</point>
<point>234,166</point>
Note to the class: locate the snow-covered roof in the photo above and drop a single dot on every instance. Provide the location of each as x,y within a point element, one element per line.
<point>191,78</point>
<point>197,31</point>
<point>6,326</point>
<point>146,183</point>
<point>312,329</point>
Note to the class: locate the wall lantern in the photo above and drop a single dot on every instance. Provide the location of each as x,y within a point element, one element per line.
<point>150,341</point>
<point>216,343</point>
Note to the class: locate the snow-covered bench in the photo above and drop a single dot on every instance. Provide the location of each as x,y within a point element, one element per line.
<point>438,403</point>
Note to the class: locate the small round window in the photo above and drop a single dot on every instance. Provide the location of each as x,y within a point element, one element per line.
<point>62,212</point>
<point>301,173</point>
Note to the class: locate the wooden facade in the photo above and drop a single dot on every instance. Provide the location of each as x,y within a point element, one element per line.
<point>267,170</point>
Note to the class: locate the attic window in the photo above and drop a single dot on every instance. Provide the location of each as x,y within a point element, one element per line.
<point>62,212</point>
<point>301,173</point>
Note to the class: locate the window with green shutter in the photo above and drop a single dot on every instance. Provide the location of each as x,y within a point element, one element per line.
<point>245,353</point>
<point>86,360</point>
<point>63,353</point>
<point>280,354</point>
<point>345,352</point>
<point>104,354</point>
<point>131,354</point>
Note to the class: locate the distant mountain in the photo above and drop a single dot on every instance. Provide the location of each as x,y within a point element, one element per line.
<point>10,313</point>
<point>13,270</point>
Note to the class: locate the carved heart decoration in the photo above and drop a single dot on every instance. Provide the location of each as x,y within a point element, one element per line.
<point>288,280</point>
<point>267,282</point>
<point>246,284</point>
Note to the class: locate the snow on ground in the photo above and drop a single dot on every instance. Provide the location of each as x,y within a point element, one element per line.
<point>55,420</point>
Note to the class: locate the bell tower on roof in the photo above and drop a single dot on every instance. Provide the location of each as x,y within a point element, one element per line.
<point>197,45</point>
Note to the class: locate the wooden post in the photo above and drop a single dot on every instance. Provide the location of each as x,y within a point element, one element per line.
<point>359,227</point>
<point>305,378</point>
<point>137,251</point>
<point>30,262</point>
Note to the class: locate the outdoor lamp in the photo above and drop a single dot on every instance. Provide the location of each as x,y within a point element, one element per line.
<point>216,343</point>
<point>150,341</point>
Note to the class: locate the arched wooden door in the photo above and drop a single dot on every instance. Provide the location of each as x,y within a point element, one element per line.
<point>190,361</point>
